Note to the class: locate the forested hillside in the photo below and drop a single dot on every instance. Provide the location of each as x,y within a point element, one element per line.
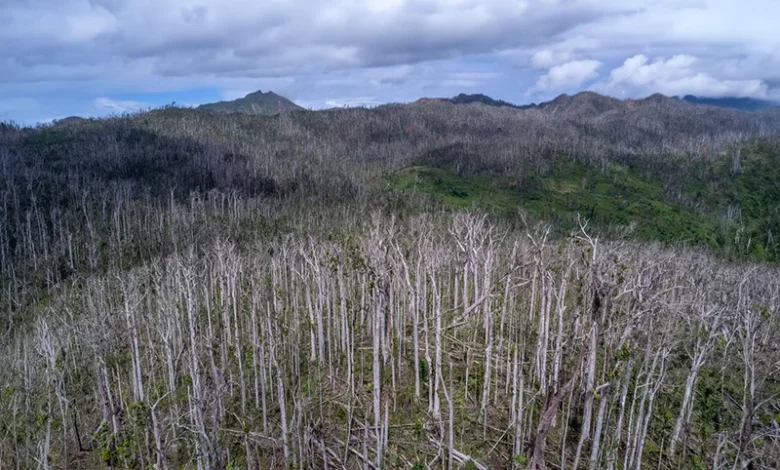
<point>588,283</point>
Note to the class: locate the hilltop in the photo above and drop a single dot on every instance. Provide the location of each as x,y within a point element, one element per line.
<point>256,103</point>
<point>464,98</point>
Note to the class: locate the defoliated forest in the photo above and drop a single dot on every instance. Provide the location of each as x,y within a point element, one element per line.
<point>583,284</point>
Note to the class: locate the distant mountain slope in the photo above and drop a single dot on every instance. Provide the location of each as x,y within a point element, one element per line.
<point>635,123</point>
<point>254,103</point>
<point>464,98</point>
<point>742,104</point>
<point>590,103</point>
<point>69,121</point>
<point>585,103</point>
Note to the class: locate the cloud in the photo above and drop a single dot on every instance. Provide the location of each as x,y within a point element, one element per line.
<point>351,102</point>
<point>107,105</point>
<point>568,75</point>
<point>547,58</point>
<point>248,38</point>
<point>390,49</point>
<point>678,75</point>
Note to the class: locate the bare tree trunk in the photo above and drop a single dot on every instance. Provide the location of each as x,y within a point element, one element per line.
<point>596,447</point>
<point>627,374</point>
<point>377,368</point>
<point>549,411</point>
<point>589,393</point>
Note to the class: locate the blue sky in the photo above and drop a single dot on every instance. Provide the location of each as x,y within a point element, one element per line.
<point>98,57</point>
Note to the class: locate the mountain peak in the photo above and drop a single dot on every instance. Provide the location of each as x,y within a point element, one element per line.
<point>584,103</point>
<point>256,103</point>
<point>657,98</point>
<point>261,94</point>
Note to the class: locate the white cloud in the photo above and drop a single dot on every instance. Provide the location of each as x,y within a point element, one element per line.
<point>568,75</point>
<point>108,105</point>
<point>390,49</point>
<point>678,75</point>
<point>249,38</point>
<point>351,102</point>
<point>547,58</point>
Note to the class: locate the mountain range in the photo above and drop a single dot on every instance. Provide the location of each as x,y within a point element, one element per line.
<point>732,102</point>
<point>262,103</point>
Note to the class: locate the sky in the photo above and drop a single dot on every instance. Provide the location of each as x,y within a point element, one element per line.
<point>60,58</point>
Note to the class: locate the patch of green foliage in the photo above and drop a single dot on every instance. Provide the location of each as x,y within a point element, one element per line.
<point>731,201</point>
<point>616,197</point>
<point>742,189</point>
<point>483,191</point>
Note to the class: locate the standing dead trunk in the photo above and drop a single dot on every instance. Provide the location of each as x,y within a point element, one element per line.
<point>549,412</point>
<point>377,369</point>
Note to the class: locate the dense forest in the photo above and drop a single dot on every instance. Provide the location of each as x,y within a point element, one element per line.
<point>586,283</point>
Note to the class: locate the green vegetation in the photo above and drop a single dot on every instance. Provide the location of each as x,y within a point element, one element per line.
<point>458,192</point>
<point>619,199</point>
<point>743,190</point>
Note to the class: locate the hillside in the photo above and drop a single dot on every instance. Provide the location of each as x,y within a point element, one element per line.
<point>256,103</point>
<point>587,283</point>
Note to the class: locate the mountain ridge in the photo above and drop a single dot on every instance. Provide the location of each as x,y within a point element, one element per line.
<point>733,102</point>
<point>605,102</point>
